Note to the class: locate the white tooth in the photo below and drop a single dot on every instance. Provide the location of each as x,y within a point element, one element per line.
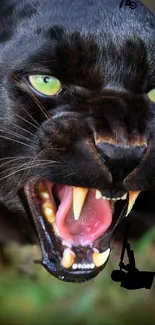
<point>79,196</point>
<point>92,265</point>
<point>79,266</point>
<point>98,195</point>
<point>105,198</point>
<point>132,199</point>
<point>100,258</point>
<point>74,266</point>
<point>124,196</point>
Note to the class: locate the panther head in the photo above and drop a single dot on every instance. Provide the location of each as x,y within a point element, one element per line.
<point>77,124</point>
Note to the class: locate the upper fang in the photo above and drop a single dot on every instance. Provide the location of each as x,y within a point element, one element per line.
<point>79,196</point>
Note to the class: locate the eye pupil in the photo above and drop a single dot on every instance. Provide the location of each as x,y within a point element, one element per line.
<point>46,80</point>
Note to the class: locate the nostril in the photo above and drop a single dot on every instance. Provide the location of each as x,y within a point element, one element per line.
<point>116,152</point>
<point>120,160</point>
<point>107,150</point>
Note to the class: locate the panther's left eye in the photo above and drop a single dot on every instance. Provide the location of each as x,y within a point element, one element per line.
<point>45,85</point>
<point>151,95</point>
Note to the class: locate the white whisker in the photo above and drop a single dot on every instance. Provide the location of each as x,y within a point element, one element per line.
<point>26,145</point>
<point>22,118</point>
<point>22,169</point>
<point>27,131</point>
<point>16,135</point>
<point>12,160</point>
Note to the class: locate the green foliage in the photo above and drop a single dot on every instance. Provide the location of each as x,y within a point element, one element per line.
<point>30,296</point>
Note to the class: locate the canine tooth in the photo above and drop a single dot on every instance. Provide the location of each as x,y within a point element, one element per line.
<point>68,258</point>
<point>43,193</point>
<point>124,196</point>
<point>132,198</point>
<point>74,266</point>
<point>100,258</point>
<point>49,212</point>
<point>79,196</point>
<point>98,195</point>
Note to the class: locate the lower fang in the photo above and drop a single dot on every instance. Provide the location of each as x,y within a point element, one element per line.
<point>48,212</point>
<point>100,258</point>
<point>68,258</point>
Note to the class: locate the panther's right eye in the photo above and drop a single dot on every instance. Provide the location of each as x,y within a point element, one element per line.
<point>45,84</point>
<point>151,95</point>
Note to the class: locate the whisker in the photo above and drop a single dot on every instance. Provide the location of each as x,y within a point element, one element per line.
<point>42,15</point>
<point>70,174</point>
<point>16,125</point>
<point>35,8</point>
<point>32,118</point>
<point>22,118</point>
<point>36,100</point>
<point>14,168</point>
<point>37,124</point>
<point>17,135</point>
<point>12,160</point>
<point>22,169</point>
<point>46,161</point>
<point>25,144</point>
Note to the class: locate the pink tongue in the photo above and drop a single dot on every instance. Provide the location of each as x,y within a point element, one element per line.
<point>94,220</point>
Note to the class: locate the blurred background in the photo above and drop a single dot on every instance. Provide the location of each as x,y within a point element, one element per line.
<point>150,4</point>
<point>29,295</point>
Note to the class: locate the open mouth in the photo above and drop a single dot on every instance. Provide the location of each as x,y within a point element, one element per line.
<point>74,226</point>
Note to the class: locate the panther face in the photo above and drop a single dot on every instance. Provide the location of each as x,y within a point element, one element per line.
<point>77,125</point>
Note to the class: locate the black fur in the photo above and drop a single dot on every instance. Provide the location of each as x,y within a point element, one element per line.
<point>100,130</point>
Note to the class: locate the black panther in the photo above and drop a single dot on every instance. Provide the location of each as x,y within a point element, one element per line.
<point>77,125</point>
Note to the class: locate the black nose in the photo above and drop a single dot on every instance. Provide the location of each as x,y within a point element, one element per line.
<point>120,160</point>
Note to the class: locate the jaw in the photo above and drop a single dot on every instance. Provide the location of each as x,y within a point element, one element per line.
<point>74,226</point>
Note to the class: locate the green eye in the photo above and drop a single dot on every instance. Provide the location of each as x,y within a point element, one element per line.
<point>151,95</point>
<point>46,85</point>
